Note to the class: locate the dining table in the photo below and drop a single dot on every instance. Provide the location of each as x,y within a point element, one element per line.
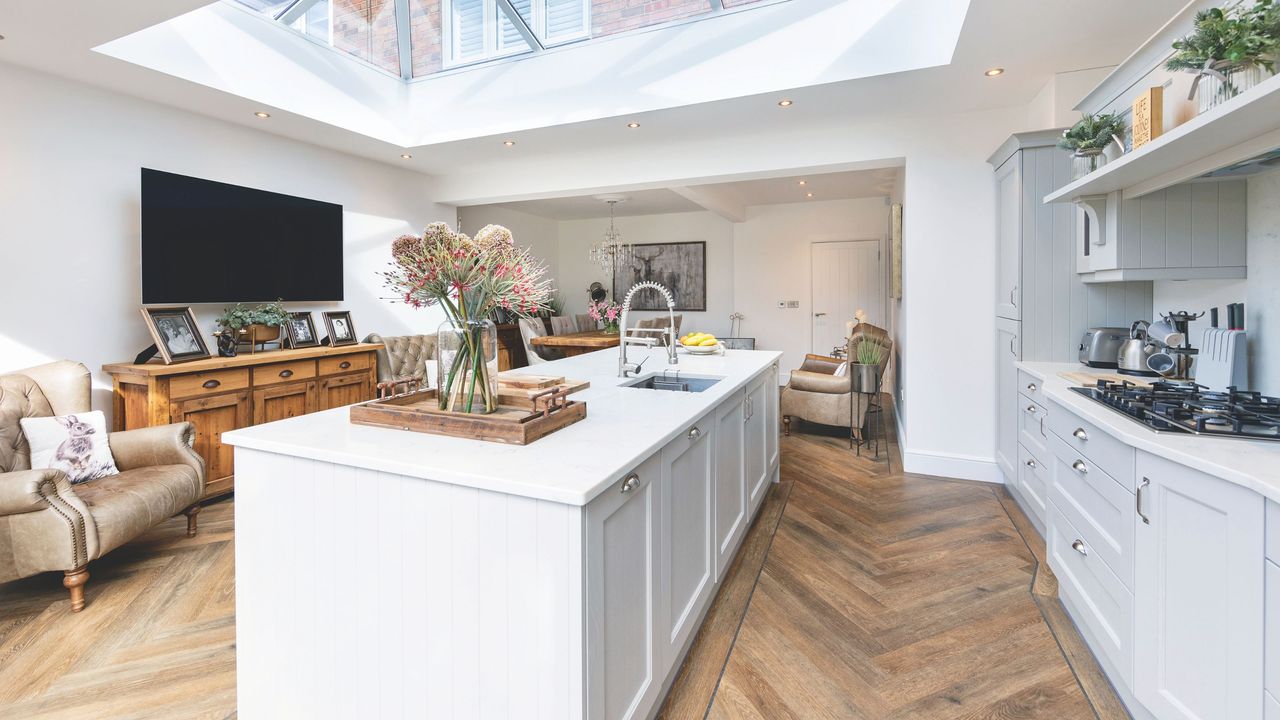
<point>571,344</point>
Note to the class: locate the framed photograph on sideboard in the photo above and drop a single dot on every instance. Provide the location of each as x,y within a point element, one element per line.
<point>176,334</point>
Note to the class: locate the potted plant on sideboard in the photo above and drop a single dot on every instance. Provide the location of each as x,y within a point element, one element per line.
<point>1230,50</point>
<point>1089,138</point>
<point>255,326</point>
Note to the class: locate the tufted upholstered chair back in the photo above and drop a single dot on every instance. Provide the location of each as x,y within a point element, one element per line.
<point>403,356</point>
<point>57,388</point>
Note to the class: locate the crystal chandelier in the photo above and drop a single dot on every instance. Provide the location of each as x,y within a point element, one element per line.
<point>611,252</point>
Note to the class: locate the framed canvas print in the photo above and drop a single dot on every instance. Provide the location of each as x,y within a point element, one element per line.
<point>301,330</point>
<point>176,334</point>
<point>681,267</point>
<point>341,330</point>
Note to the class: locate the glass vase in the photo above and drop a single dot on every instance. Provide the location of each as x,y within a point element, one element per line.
<point>467,366</point>
<point>1084,162</point>
<point>1236,78</point>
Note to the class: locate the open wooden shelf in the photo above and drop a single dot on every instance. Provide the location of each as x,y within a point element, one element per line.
<point>1237,130</point>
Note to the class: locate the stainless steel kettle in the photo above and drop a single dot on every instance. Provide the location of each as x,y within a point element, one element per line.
<point>1135,351</point>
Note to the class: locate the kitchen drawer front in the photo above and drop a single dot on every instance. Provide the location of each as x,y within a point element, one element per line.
<point>1106,452</point>
<point>1033,481</point>
<point>1101,601</point>
<point>1032,419</point>
<point>344,363</point>
<point>1029,386</point>
<point>1100,508</point>
<point>284,372</point>
<point>208,383</point>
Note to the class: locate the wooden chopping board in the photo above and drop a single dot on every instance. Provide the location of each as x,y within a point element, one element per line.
<point>1091,378</point>
<point>521,380</point>
<point>521,392</point>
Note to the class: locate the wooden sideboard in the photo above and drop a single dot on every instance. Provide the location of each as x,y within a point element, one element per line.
<point>221,394</point>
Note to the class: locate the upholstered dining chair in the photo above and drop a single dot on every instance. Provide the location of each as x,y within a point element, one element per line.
<point>585,323</point>
<point>48,524</point>
<point>821,390</point>
<point>403,361</point>
<point>531,328</point>
<point>563,325</point>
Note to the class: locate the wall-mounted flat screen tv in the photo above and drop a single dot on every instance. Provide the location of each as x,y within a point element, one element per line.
<point>210,242</point>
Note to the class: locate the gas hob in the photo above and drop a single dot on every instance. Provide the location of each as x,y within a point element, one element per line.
<point>1184,407</point>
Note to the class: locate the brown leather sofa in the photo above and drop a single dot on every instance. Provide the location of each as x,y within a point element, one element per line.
<point>48,524</point>
<point>817,394</point>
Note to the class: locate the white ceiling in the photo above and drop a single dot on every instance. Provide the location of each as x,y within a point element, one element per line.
<point>728,199</point>
<point>1032,40</point>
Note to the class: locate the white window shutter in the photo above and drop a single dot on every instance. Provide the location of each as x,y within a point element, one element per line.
<point>565,19</point>
<point>508,36</point>
<point>466,24</point>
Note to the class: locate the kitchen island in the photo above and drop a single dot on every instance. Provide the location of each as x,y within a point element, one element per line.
<point>383,573</point>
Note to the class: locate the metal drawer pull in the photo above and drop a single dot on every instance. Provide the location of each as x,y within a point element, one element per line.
<point>1031,409</point>
<point>1080,467</point>
<point>1031,463</point>
<point>1031,387</point>
<point>695,433</point>
<point>1080,433</point>
<point>1137,501</point>
<point>211,384</point>
<point>1078,546</point>
<point>631,483</point>
<point>286,373</point>
<point>344,364</point>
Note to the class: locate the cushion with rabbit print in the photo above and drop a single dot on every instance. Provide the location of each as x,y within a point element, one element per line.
<point>75,444</point>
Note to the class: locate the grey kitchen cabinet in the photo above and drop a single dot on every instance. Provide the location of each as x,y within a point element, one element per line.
<point>688,566</point>
<point>731,516</point>
<point>1008,350</point>
<point>756,449</point>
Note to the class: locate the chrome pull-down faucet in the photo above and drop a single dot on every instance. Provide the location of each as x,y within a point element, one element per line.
<point>626,368</point>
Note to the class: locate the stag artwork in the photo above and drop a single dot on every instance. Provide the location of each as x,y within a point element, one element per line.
<point>680,267</point>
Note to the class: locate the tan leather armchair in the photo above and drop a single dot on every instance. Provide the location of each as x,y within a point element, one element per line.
<point>402,361</point>
<point>816,392</point>
<point>48,524</point>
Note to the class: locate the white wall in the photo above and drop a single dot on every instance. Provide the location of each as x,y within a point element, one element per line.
<point>772,263</point>
<point>69,215</point>
<point>577,272</point>
<point>1262,309</point>
<point>540,235</point>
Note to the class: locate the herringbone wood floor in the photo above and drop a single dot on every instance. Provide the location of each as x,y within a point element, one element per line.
<point>859,593</point>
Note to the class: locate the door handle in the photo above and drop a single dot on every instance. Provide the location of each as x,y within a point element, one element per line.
<point>1031,387</point>
<point>1012,351</point>
<point>631,483</point>
<point>1078,546</point>
<point>1080,467</point>
<point>211,384</point>
<point>1080,434</point>
<point>286,373</point>
<point>1137,501</point>
<point>344,364</point>
<point>695,433</point>
<point>819,314</point>
<point>1031,464</point>
<point>1031,409</point>
<point>1012,292</point>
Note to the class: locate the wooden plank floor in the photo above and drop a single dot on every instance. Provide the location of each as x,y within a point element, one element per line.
<point>860,592</point>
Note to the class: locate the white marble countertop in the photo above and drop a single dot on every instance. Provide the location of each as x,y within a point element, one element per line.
<point>573,465</point>
<point>1254,464</point>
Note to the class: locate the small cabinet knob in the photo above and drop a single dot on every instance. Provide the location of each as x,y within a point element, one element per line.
<point>630,483</point>
<point>1080,467</point>
<point>695,433</point>
<point>1081,434</point>
<point>1031,409</point>
<point>1031,463</point>
<point>1031,387</point>
<point>1078,546</point>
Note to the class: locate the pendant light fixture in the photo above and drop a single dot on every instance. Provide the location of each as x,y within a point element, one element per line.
<point>611,252</point>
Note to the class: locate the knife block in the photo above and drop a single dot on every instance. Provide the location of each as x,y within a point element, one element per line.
<point>1223,359</point>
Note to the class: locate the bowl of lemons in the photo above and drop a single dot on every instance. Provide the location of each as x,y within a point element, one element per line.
<point>700,343</point>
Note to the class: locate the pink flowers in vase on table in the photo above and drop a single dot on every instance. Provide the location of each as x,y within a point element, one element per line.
<point>607,312</point>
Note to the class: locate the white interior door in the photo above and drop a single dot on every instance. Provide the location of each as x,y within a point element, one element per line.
<point>846,276</point>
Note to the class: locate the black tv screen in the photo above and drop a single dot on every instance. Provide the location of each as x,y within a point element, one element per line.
<point>210,242</point>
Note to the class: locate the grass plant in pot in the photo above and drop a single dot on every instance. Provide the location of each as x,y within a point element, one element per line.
<point>1089,139</point>
<point>865,367</point>
<point>469,278</point>
<point>1230,50</point>
<point>255,326</point>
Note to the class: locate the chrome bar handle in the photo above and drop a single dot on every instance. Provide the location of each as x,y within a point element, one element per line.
<point>1137,500</point>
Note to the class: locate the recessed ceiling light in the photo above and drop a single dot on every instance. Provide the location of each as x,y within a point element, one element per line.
<point>407,156</point>
<point>784,103</point>
<point>633,125</point>
<point>803,182</point>
<point>994,72</point>
<point>808,194</point>
<point>508,143</point>
<point>262,115</point>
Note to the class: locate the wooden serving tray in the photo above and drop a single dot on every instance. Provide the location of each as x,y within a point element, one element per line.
<point>515,425</point>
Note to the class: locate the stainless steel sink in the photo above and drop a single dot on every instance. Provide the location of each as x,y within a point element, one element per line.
<point>673,382</point>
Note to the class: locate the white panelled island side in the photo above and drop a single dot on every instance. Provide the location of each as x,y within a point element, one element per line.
<point>385,573</point>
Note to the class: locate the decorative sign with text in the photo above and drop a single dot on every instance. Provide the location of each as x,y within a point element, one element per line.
<point>1148,116</point>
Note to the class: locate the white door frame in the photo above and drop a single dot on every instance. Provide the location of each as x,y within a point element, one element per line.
<point>883,299</point>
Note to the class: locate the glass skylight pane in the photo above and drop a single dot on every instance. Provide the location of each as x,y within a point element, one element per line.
<point>509,38</point>
<point>738,3</point>
<point>615,16</point>
<point>270,8</point>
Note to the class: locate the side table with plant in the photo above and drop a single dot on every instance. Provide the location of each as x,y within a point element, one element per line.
<point>255,326</point>
<point>865,367</point>
<point>1089,138</point>
<point>1230,50</point>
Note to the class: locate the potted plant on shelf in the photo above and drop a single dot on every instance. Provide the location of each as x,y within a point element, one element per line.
<point>1230,50</point>
<point>469,278</point>
<point>866,369</point>
<point>607,312</point>
<point>255,326</point>
<point>1089,138</point>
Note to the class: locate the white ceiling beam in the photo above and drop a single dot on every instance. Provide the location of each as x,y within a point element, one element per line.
<point>522,27</point>
<point>404,45</point>
<point>717,202</point>
<point>295,11</point>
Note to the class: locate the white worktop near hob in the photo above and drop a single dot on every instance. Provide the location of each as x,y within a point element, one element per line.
<point>1254,464</point>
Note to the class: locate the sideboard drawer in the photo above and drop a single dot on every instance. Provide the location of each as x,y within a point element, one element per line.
<point>1105,451</point>
<point>284,372</point>
<point>344,363</point>
<point>208,383</point>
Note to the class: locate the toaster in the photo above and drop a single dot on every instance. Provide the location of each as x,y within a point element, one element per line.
<point>1100,346</point>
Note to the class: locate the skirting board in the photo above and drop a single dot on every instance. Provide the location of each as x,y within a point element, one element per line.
<point>945,465</point>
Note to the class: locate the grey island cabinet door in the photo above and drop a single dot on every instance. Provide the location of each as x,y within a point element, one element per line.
<point>1198,595</point>
<point>731,483</point>
<point>687,575</point>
